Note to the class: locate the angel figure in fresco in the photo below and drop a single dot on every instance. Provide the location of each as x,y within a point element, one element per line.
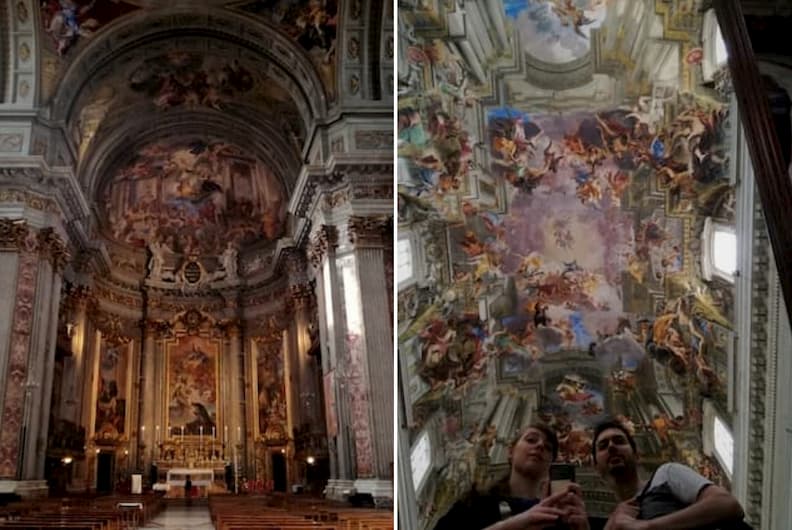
<point>570,14</point>
<point>67,22</point>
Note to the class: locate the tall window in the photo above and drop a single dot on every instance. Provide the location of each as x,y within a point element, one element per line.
<point>719,251</point>
<point>715,53</point>
<point>724,443</point>
<point>421,460</point>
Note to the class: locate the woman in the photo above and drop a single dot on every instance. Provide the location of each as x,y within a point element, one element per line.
<point>521,503</point>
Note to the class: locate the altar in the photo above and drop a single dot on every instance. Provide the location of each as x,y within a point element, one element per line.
<point>198,476</point>
<point>202,480</point>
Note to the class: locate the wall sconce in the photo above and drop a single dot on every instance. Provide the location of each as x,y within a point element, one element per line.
<point>66,460</point>
<point>310,460</point>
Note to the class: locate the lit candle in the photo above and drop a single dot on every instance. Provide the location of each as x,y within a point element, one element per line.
<point>239,434</point>
<point>213,432</point>
<point>182,438</point>
<point>142,433</point>
<point>225,434</point>
<point>157,434</point>
<point>200,436</point>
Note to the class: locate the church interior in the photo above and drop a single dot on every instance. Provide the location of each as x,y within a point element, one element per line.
<point>584,232</point>
<point>196,240</point>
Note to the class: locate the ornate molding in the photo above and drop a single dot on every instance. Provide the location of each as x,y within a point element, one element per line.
<point>13,234</point>
<point>52,247</point>
<point>325,237</point>
<point>760,306</point>
<point>370,230</point>
<point>302,295</point>
<point>30,200</point>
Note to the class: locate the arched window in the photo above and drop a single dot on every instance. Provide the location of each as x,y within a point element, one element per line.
<point>715,54</point>
<point>718,251</point>
<point>421,460</point>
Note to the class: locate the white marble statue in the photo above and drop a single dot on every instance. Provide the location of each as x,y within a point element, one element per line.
<point>228,263</point>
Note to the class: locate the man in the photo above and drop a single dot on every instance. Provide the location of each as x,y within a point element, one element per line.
<point>674,497</point>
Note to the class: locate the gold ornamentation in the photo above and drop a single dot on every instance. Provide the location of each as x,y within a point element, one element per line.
<point>24,88</point>
<point>372,230</point>
<point>24,52</point>
<point>354,84</point>
<point>353,48</point>
<point>52,247</point>
<point>13,233</point>
<point>22,12</point>
<point>321,242</point>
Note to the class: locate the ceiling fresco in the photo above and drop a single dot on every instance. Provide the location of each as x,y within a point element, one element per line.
<point>69,21</point>
<point>313,24</point>
<point>557,31</point>
<point>193,198</point>
<point>557,249</point>
<point>182,79</point>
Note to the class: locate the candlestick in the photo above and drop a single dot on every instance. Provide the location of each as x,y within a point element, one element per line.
<point>225,434</point>
<point>213,432</point>
<point>239,434</point>
<point>182,436</point>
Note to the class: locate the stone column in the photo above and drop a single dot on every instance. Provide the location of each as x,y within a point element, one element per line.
<point>29,362</point>
<point>148,414</point>
<point>304,366</point>
<point>369,350</point>
<point>53,251</point>
<point>74,388</point>
<point>238,434</point>
<point>322,255</point>
<point>18,247</point>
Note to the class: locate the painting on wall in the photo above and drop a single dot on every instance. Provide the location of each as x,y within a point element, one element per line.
<point>192,384</point>
<point>193,198</point>
<point>271,393</point>
<point>112,391</point>
<point>68,21</point>
<point>313,24</point>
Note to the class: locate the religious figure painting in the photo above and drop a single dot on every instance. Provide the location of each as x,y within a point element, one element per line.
<point>67,21</point>
<point>312,23</point>
<point>111,396</point>
<point>191,79</point>
<point>192,385</point>
<point>193,198</point>
<point>271,393</point>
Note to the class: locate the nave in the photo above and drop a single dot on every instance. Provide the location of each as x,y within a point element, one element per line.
<point>223,512</point>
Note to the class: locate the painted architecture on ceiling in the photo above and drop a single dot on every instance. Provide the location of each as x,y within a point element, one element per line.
<point>561,165</point>
<point>194,203</point>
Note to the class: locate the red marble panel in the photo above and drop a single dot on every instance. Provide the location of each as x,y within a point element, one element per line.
<point>14,403</point>
<point>359,400</point>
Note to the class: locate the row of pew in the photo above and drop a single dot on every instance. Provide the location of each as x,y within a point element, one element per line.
<point>263,512</point>
<point>81,513</point>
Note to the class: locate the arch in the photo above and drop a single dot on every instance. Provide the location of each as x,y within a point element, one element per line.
<point>288,62</point>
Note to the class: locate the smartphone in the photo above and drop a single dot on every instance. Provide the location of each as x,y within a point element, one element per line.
<point>561,475</point>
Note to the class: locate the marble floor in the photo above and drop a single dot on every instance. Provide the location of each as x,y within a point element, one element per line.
<point>182,518</point>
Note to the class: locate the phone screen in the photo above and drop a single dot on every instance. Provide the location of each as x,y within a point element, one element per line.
<point>561,475</point>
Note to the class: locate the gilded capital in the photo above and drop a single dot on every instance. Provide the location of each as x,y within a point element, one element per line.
<point>370,230</point>
<point>13,233</point>
<point>321,241</point>
<point>52,247</point>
